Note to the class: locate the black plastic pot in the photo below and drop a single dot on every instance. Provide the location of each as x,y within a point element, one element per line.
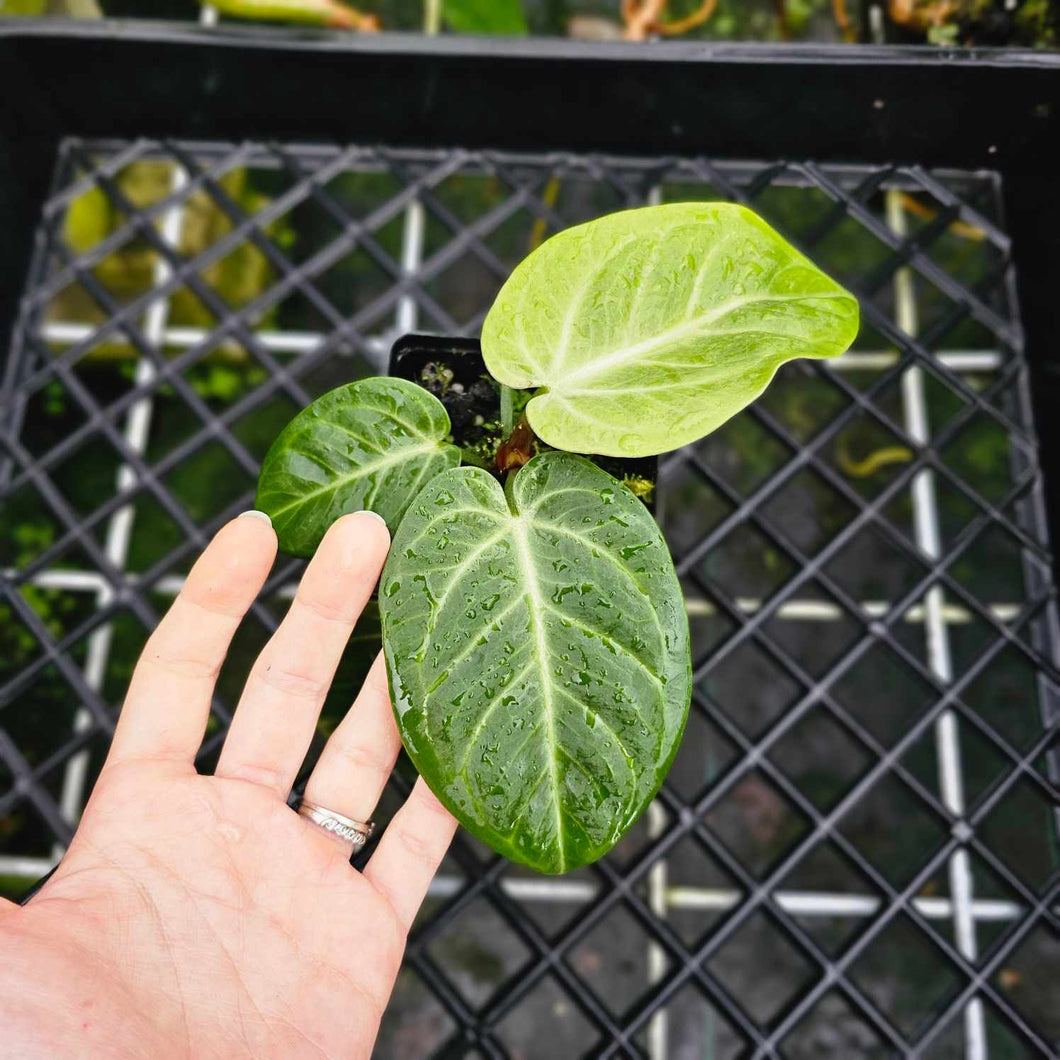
<point>413,355</point>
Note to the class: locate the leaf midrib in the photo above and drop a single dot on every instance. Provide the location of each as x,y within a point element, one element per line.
<point>365,469</point>
<point>535,607</point>
<point>601,551</point>
<point>600,365</point>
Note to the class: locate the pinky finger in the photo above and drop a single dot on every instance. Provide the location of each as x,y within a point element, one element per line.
<point>412,848</point>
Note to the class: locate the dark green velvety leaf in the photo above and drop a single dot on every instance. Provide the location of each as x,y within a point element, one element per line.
<point>537,647</point>
<point>368,445</point>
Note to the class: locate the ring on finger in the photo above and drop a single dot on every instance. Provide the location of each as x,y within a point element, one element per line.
<point>356,833</point>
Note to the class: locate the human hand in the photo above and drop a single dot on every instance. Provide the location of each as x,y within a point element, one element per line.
<point>199,915</point>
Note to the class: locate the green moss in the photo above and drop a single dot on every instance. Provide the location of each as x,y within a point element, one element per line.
<point>639,486</point>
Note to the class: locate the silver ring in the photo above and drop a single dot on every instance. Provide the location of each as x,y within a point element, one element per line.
<point>357,833</point>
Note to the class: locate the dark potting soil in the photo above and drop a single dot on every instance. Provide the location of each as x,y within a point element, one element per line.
<point>453,370</point>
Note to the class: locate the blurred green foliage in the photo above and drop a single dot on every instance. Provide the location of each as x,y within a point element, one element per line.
<point>27,8</point>
<point>1034,23</point>
<point>501,17</point>
<point>129,270</point>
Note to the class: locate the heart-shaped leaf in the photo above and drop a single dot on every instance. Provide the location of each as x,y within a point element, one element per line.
<point>367,445</point>
<point>647,329</point>
<point>537,647</point>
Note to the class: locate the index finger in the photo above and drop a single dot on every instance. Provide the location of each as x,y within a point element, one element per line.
<point>168,702</point>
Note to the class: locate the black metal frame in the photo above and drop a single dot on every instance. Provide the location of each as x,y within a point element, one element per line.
<point>694,110</point>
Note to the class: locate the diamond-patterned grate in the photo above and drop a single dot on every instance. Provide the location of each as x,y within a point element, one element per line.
<point>857,848</point>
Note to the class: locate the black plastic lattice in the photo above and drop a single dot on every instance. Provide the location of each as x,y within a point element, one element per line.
<point>856,851</point>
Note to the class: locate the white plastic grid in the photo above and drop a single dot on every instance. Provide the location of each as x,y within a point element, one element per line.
<point>926,526</point>
<point>935,614</point>
<point>120,525</point>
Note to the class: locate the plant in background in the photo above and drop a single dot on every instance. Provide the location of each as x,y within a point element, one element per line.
<point>644,18</point>
<point>332,13</point>
<point>501,17</point>
<point>979,22</point>
<point>128,270</point>
<point>533,624</point>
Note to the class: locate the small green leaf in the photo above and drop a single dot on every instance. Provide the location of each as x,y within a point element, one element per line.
<point>367,445</point>
<point>537,647</point>
<point>501,17</point>
<point>647,329</point>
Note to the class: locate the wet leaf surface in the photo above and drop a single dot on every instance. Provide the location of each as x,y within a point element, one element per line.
<point>647,329</point>
<point>369,445</point>
<point>537,647</point>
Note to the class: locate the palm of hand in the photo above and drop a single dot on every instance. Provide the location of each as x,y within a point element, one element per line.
<point>202,916</point>
<point>234,909</point>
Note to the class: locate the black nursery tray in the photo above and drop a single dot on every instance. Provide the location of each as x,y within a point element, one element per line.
<point>855,853</point>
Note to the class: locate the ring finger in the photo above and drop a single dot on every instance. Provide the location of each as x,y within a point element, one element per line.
<point>360,754</point>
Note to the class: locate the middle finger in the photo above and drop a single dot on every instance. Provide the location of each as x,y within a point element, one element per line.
<point>360,754</point>
<point>277,713</point>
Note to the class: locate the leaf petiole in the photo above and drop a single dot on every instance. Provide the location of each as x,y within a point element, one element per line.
<point>473,458</point>
<point>507,413</point>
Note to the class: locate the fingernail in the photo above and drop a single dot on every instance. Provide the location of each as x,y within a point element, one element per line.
<point>374,515</point>
<point>255,514</point>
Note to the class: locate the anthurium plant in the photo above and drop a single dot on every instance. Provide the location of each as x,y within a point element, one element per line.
<point>533,624</point>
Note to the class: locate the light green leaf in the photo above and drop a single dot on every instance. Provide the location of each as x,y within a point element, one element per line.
<point>368,445</point>
<point>537,647</point>
<point>647,329</point>
<point>501,17</point>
